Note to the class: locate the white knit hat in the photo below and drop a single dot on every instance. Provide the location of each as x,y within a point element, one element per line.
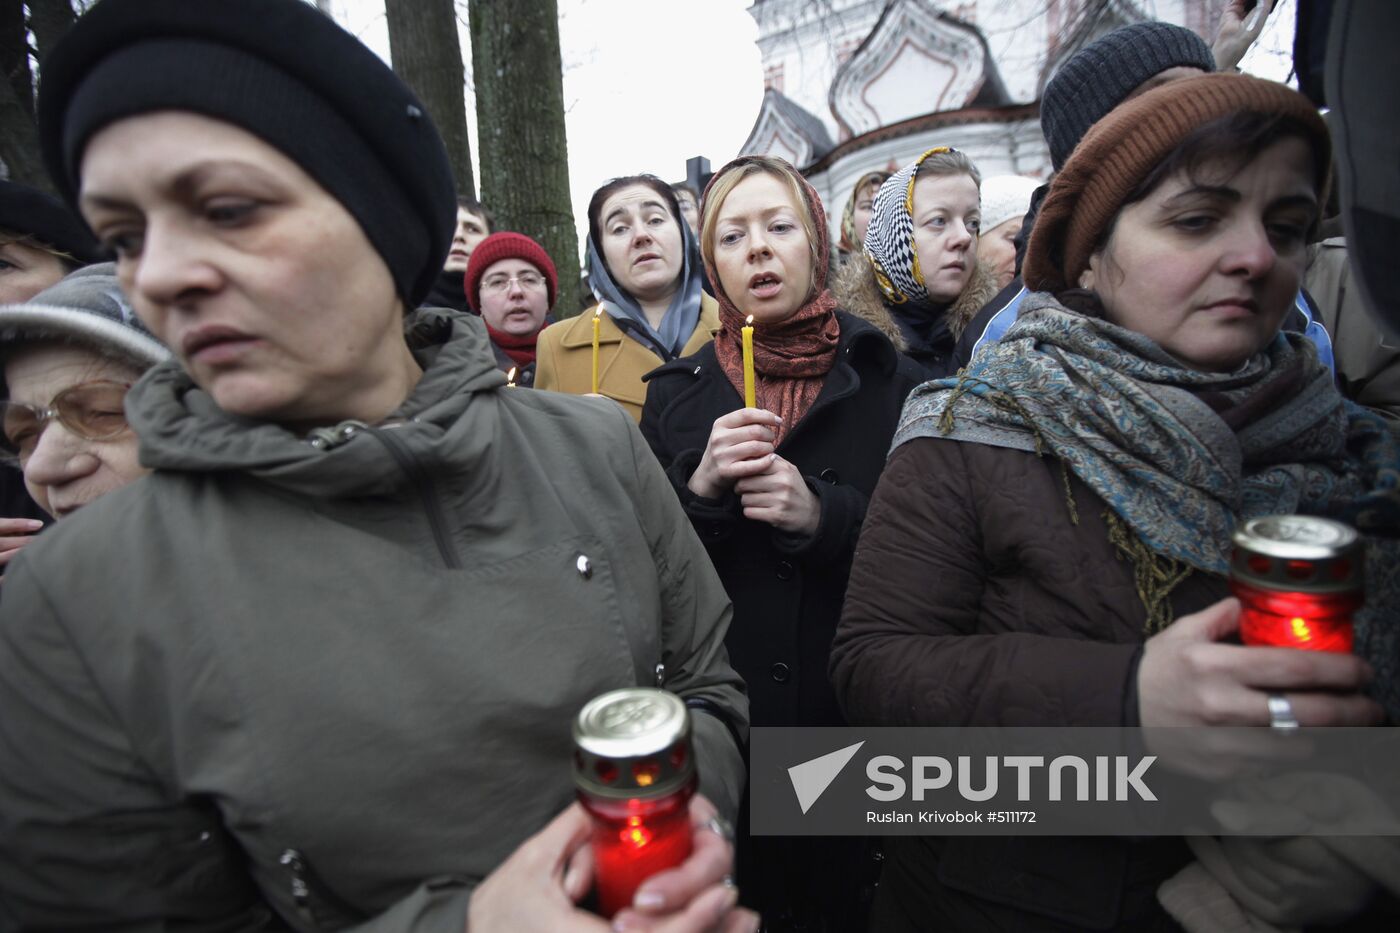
<point>1005,197</point>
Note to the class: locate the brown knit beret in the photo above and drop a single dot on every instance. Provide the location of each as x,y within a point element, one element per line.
<point>1120,150</point>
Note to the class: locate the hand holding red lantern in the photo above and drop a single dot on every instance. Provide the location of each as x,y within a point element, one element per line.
<point>1188,677</point>
<point>652,851</point>
<point>537,889</point>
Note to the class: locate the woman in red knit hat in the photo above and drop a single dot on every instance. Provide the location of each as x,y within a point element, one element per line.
<point>511,283</point>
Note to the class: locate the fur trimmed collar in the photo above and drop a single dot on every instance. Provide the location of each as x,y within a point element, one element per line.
<point>856,292</point>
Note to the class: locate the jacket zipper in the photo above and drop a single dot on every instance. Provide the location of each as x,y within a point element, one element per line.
<point>427,491</point>
<point>310,894</point>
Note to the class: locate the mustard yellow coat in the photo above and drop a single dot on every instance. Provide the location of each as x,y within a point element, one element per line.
<point>564,357</point>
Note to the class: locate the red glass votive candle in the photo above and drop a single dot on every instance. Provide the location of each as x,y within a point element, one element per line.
<point>635,775</point>
<point>1299,580</point>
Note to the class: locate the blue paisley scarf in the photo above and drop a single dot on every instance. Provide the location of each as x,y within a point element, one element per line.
<point>1179,456</point>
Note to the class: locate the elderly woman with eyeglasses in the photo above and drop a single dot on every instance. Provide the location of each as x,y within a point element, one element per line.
<point>70,354</point>
<point>40,242</point>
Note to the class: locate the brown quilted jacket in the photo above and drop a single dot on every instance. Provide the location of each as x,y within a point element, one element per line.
<point>974,600</point>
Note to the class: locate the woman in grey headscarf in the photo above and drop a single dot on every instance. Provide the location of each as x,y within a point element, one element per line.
<point>644,268</point>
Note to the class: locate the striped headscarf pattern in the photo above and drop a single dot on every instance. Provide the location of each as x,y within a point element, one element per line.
<point>890,238</point>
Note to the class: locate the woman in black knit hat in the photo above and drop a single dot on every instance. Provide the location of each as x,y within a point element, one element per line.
<point>320,667</point>
<point>40,242</point>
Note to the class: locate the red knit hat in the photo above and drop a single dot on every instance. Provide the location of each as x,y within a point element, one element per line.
<point>500,246</point>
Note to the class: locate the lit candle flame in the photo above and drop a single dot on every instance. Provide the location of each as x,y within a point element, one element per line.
<point>749,320</point>
<point>510,377</point>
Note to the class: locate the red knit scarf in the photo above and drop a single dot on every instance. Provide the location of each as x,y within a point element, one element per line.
<point>520,349</point>
<point>792,357</point>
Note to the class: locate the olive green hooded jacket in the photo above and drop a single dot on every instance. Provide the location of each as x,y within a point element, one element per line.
<point>328,682</point>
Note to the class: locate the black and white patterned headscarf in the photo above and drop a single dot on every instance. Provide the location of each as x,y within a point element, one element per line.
<point>889,240</point>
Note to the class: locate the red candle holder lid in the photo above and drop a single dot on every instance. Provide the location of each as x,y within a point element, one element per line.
<point>633,743</point>
<point>1299,553</point>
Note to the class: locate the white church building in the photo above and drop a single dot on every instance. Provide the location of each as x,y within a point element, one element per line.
<point>853,86</point>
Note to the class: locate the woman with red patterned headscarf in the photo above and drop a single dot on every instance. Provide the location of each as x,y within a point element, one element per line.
<point>778,491</point>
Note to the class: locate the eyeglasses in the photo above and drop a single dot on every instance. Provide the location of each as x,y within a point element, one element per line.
<point>530,281</point>
<point>91,410</point>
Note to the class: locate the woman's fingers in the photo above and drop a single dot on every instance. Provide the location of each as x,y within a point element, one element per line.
<point>1277,669</point>
<point>1210,624</point>
<point>710,911</point>
<point>1187,678</point>
<point>579,874</point>
<point>696,895</point>
<point>743,416</point>
<point>19,526</point>
<point>710,861</point>
<point>740,921</point>
<point>744,450</point>
<point>739,469</point>
<point>723,439</point>
<point>1329,709</point>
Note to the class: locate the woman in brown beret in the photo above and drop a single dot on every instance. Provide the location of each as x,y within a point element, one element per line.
<point>1048,543</point>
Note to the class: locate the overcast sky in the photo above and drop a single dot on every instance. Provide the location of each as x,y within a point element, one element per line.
<point>647,83</point>
<point>650,83</point>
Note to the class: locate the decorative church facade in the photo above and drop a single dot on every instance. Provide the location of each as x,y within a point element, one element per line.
<point>853,86</point>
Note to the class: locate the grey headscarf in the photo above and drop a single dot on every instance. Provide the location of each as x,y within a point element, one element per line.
<point>683,314</point>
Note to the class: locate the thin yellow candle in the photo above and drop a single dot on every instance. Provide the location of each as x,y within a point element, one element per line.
<point>747,331</point>
<point>597,322</point>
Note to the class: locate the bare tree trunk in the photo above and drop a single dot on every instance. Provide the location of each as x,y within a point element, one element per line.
<point>520,129</point>
<point>19,137</point>
<point>49,20</point>
<point>428,57</point>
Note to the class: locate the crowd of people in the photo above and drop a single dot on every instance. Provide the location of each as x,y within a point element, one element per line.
<point>350,519</point>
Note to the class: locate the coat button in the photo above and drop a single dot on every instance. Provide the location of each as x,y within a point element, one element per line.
<point>785,570</point>
<point>779,672</point>
<point>830,476</point>
<point>585,566</point>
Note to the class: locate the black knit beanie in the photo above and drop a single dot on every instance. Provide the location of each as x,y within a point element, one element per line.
<point>1101,75</point>
<point>30,212</point>
<point>282,71</point>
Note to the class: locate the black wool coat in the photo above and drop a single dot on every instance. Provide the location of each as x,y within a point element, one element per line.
<point>787,589</point>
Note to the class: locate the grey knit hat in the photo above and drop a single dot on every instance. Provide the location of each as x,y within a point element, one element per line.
<point>1101,75</point>
<point>86,308</point>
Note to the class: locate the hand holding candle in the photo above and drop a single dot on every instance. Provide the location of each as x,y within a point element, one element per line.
<point>597,323</point>
<point>750,399</point>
